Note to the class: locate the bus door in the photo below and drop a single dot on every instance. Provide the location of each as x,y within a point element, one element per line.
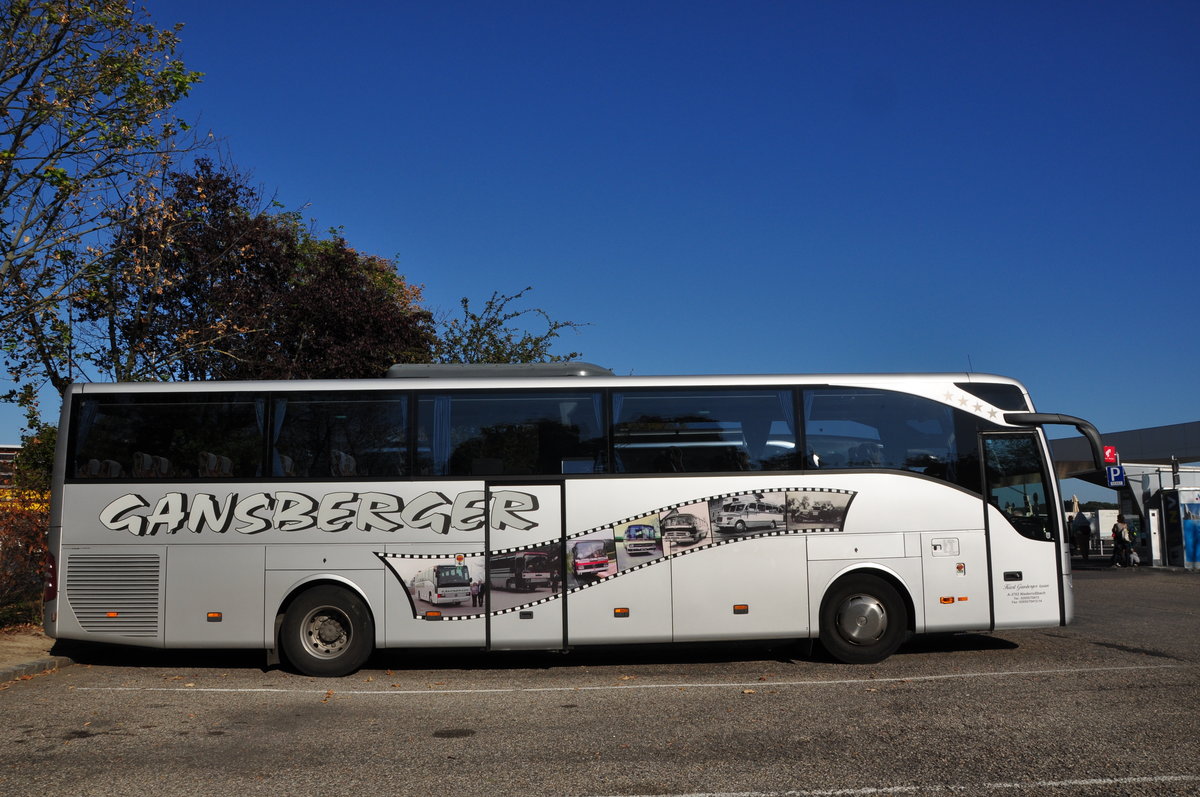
<point>1022,514</point>
<point>524,565</point>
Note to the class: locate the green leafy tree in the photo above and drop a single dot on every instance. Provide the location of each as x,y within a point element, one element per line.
<point>33,467</point>
<point>86,93</point>
<point>495,334</point>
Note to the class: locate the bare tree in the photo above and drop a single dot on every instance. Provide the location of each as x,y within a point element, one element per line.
<point>488,336</point>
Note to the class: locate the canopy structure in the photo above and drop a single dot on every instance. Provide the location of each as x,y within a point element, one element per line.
<point>1152,446</point>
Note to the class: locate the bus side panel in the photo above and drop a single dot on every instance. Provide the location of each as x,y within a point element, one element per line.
<point>766,576</point>
<point>112,593</point>
<point>822,573</point>
<point>207,579</point>
<point>645,595</point>
<point>535,627</point>
<point>290,567</point>
<point>956,581</point>
<point>462,625</point>
<point>1025,585</point>
<point>594,503</point>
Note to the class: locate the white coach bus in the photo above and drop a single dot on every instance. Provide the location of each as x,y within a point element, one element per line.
<point>293,516</point>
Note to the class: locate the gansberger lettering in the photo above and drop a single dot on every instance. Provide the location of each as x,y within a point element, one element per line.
<point>289,511</point>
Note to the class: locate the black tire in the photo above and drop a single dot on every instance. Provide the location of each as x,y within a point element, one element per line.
<point>327,631</point>
<point>863,620</point>
<point>739,527</point>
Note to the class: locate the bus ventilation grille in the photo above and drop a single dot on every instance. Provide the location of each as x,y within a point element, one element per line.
<point>115,594</point>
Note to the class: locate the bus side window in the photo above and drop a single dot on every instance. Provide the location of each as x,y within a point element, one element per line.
<point>847,427</point>
<point>320,435</point>
<point>702,431</point>
<point>535,433</point>
<point>186,435</point>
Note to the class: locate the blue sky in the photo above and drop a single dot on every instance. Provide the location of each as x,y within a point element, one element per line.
<point>720,187</point>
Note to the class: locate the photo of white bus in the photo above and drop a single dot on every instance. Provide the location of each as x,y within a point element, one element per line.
<point>640,538</point>
<point>289,516</point>
<point>442,585</point>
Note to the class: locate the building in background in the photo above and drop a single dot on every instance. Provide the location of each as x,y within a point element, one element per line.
<point>8,453</point>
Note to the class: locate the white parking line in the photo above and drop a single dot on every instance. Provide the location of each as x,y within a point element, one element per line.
<point>336,687</point>
<point>974,788</point>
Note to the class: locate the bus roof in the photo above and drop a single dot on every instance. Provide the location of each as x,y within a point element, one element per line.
<point>521,378</point>
<point>485,370</point>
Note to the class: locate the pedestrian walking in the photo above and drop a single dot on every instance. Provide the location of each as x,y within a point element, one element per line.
<point>1122,543</point>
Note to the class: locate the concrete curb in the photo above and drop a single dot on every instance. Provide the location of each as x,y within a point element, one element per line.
<point>36,667</point>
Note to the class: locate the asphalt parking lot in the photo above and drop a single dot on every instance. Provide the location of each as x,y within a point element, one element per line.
<point>1107,706</point>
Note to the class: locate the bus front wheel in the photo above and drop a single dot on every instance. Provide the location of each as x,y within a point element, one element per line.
<point>327,631</point>
<point>863,620</point>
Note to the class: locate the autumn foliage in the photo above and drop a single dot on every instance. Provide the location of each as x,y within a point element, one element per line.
<point>24,521</point>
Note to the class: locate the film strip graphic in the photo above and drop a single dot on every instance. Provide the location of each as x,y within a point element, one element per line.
<point>712,542</point>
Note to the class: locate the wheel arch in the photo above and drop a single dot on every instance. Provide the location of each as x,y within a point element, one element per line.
<point>881,572</point>
<point>318,580</point>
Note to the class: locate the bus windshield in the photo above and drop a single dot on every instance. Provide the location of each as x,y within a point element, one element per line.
<point>592,549</point>
<point>453,576</point>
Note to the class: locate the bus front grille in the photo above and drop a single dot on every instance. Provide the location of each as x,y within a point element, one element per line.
<point>115,593</point>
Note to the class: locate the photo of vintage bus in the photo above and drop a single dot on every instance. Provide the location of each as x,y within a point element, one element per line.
<point>683,528</point>
<point>748,513</point>
<point>588,559</point>
<point>520,572</point>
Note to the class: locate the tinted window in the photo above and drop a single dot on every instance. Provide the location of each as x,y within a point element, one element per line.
<point>867,428</point>
<point>1005,397</point>
<point>483,434</point>
<point>318,436</point>
<point>1017,485</point>
<point>702,431</point>
<point>188,436</point>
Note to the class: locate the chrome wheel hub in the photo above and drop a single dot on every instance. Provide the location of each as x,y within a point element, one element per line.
<point>862,619</point>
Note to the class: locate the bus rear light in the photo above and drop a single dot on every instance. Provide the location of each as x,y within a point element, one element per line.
<point>622,612</point>
<point>946,599</point>
<point>433,615</point>
<point>50,592</point>
<point>215,617</point>
<point>112,614</point>
<point>963,598</point>
<point>741,608</point>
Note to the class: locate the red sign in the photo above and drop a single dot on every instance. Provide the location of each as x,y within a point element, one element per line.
<point>1110,454</point>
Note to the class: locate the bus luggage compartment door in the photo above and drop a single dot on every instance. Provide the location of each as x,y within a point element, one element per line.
<point>525,567</point>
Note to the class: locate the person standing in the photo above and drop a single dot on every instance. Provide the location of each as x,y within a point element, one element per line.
<point>1083,534</point>
<point>1121,542</point>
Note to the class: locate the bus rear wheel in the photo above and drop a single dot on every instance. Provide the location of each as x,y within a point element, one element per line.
<point>327,631</point>
<point>863,620</point>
